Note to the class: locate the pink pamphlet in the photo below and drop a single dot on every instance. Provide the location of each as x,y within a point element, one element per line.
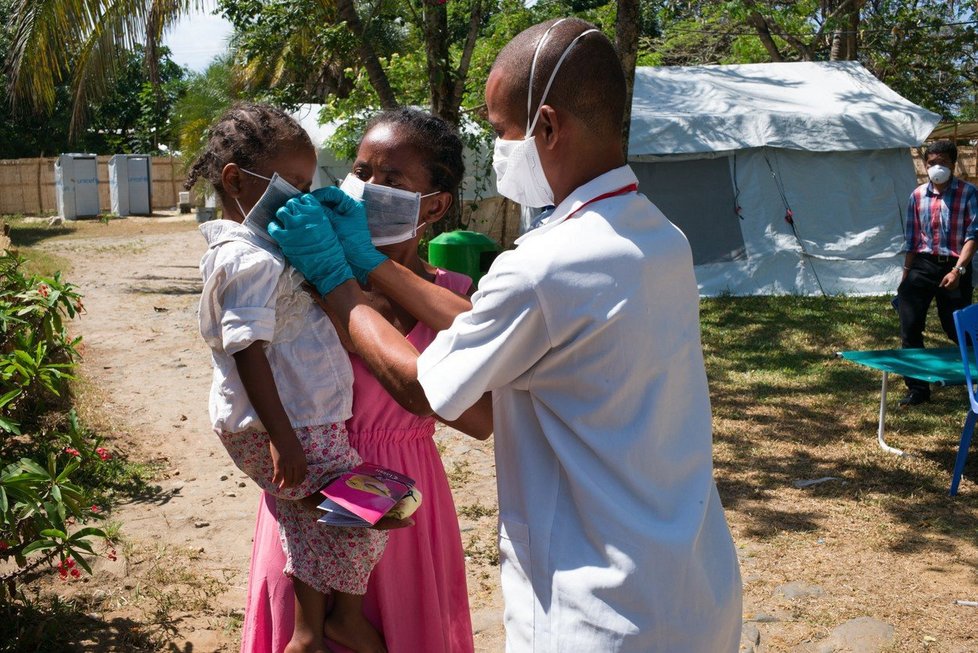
<point>361,496</point>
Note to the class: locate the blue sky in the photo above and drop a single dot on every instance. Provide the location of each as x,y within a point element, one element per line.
<point>198,38</point>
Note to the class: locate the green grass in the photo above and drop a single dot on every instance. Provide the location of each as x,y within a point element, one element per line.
<point>477,511</point>
<point>786,408</point>
<point>29,231</point>
<point>773,373</point>
<point>460,474</point>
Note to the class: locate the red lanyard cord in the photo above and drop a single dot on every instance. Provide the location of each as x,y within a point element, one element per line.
<point>624,190</point>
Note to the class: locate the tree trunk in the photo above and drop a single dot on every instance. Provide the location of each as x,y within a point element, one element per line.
<point>626,40</point>
<point>462,73</point>
<point>440,73</point>
<point>853,35</point>
<point>764,33</point>
<point>845,38</point>
<point>375,71</point>
<point>766,28</point>
<point>837,51</point>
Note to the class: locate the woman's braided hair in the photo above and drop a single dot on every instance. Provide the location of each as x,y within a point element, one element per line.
<point>434,137</point>
<point>245,134</point>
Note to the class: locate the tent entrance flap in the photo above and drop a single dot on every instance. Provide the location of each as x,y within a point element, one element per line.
<point>698,197</point>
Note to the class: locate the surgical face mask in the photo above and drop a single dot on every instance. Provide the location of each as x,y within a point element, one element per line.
<point>939,174</point>
<point>392,213</point>
<point>519,172</point>
<point>275,196</point>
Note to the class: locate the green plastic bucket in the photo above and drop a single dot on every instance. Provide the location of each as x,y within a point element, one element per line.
<point>468,252</point>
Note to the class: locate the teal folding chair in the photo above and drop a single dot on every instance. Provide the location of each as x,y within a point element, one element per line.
<point>966,325</point>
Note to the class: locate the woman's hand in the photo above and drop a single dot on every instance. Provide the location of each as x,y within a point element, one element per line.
<point>349,220</point>
<point>389,523</point>
<point>288,461</point>
<point>308,241</point>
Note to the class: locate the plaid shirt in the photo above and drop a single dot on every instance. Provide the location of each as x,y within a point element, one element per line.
<point>940,224</point>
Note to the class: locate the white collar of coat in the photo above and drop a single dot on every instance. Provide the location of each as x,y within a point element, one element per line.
<point>604,183</point>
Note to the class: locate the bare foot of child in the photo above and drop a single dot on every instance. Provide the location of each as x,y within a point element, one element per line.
<point>310,613</point>
<point>306,643</point>
<point>346,625</point>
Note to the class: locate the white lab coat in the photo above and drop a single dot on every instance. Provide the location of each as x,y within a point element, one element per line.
<point>611,532</point>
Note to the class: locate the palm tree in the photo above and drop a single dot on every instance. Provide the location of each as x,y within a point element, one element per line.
<point>80,42</point>
<point>299,47</point>
<point>208,95</point>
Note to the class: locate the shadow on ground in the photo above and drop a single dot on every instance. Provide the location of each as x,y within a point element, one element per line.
<point>57,625</point>
<point>787,409</point>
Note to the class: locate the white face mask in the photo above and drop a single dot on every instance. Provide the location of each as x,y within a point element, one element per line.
<point>939,174</point>
<point>392,213</point>
<point>275,196</point>
<point>519,171</point>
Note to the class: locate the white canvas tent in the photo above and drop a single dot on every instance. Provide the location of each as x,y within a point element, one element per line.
<point>727,151</point>
<point>331,170</point>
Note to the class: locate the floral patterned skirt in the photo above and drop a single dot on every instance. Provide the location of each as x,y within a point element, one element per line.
<point>324,557</point>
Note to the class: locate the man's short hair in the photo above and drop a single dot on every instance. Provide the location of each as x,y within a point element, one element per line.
<point>590,83</point>
<point>943,146</point>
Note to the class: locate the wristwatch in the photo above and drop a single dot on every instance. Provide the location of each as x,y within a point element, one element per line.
<point>959,268</point>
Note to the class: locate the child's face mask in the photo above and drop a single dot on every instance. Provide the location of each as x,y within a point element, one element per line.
<point>275,196</point>
<point>392,213</point>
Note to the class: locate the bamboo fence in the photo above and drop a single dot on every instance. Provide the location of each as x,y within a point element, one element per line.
<point>27,185</point>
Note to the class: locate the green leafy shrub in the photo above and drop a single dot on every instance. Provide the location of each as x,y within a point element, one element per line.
<point>48,462</point>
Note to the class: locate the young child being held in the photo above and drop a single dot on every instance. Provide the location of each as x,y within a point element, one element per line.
<point>283,385</point>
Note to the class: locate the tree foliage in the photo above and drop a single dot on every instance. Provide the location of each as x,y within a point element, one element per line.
<point>134,116</point>
<point>130,114</point>
<point>926,51</point>
<point>82,43</point>
<point>354,54</point>
<point>923,49</point>
<point>291,51</point>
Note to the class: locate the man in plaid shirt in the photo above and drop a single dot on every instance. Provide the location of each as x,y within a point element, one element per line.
<point>940,241</point>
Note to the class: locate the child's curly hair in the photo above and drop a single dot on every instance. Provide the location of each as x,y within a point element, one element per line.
<point>246,133</point>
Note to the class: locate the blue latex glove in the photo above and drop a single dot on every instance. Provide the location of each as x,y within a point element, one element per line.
<point>308,241</point>
<point>349,220</point>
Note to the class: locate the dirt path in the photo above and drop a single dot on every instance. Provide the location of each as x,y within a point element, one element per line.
<point>184,572</point>
<point>878,554</point>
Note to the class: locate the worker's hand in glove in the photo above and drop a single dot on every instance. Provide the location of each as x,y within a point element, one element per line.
<point>349,220</point>
<point>303,231</point>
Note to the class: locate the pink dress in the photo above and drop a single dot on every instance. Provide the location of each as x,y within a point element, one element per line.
<point>416,595</point>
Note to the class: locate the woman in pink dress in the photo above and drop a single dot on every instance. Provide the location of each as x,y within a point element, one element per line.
<point>416,596</point>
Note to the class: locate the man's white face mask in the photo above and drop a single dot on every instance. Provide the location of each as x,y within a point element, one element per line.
<point>939,174</point>
<point>519,172</point>
<point>392,213</point>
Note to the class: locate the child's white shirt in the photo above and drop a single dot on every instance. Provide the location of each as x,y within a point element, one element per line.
<point>251,294</point>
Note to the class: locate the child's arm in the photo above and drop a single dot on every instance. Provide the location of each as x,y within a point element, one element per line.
<point>288,459</point>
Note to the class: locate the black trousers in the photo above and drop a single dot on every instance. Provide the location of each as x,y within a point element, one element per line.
<point>916,293</point>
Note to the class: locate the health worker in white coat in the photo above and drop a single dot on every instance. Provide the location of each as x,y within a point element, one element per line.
<point>612,537</point>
